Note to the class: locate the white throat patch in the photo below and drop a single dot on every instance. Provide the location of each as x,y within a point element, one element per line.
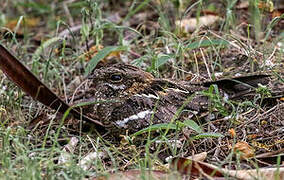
<point>116,87</point>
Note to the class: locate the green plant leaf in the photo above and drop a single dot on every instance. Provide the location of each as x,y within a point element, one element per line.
<point>155,127</point>
<point>162,59</point>
<point>138,8</point>
<point>206,43</point>
<point>193,125</point>
<point>85,30</point>
<point>45,45</point>
<point>207,135</point>
<point>100,55</point>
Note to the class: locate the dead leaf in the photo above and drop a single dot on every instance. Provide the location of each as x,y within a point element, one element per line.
<point>87,56</point>
<point>276,14</point>
<point>198,157</point>
<point>252,136</point>
<point>139,174</point>
<point>92,52</point>
<point>198,168</point>
<point>27,22</point>
<point>245,150</point>
<point>191,24</point>
<point>194,168</point>
<point>261,145</point>
<point>243,5</point>
<point>267,6</point>
<point>261,173</point>
<point>271,157</point>
<point>232,132</point>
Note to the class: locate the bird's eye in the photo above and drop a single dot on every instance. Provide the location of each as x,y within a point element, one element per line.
<point>116,78</point>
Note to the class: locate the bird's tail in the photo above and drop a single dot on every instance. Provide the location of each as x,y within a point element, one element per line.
<point>243,85</point>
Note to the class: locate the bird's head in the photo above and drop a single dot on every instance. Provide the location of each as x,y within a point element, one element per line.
<point>117,81</point>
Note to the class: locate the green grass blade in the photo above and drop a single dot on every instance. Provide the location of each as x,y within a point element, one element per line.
<point>134,11</point>
<point>101,55</point>
<point>162,59</point>
<point>155,127</point>
<point>206,43</point>
<point>193,125</point>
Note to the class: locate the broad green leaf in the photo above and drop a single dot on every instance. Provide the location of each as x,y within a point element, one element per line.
<point>207,135</point>
<point>101,55</point>
<point>155,127</point>
<point>162,59</point>
<point>206,43</point>
<point>193,125</point>
<point>45,45</point>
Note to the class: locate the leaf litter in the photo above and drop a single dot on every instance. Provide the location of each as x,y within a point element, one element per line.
<point>257,130</point>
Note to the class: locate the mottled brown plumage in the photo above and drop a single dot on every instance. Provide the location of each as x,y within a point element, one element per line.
<point>126,97</point>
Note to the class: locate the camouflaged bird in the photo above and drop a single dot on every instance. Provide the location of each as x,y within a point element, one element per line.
<point>127,98</point>
<point>123,97</point>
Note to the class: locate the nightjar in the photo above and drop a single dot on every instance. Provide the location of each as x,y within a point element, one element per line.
<point>124,97</point>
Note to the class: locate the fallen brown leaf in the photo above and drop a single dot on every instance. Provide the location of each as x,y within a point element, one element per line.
<point>266,6</point>
<point>199,169</point>
<point>271,157</point>
<point>95,49</point>
<point>27,22</point>
<point>194,168</point>
<point>138,174</point>
<point>245,150</point>
<point>232,132</point>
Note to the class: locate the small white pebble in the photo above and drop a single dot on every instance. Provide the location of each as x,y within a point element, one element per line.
<point>68,149</point>
<point>87,161</point>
